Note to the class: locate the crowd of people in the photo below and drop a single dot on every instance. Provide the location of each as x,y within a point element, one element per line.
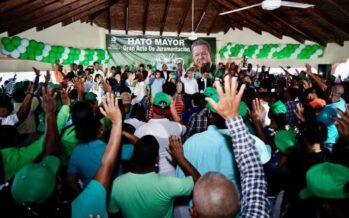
<point>209,142</point>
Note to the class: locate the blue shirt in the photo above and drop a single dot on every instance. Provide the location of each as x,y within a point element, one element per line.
<point>326,115</point>
<point>211,151</point>
<point>86,160</point>
<point>156,86</point>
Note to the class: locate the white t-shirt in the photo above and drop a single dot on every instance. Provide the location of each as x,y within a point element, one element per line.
<point>140,91</point>
<point>162,129</point>
<point>190,85</point>
<point>135,122</point>
<point>10,120</point>
<point>28,125</point>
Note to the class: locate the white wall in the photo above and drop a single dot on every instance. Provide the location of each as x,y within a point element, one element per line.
<point>333,52</point>
<point>84,35</point>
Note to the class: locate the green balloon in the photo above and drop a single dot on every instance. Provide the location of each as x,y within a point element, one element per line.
<point>41,45</point>
<point>33,43</point>
<point>53,49</point>
<point>23,56</point>
<point>16,41</point>
<point>37,52</point>
<point>9,47</point>
<point>5,40</point>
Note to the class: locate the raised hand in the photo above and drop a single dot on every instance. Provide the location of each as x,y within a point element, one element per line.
<point>65,98</point>
<point>229,102</point>
<point>343,123</point>
<point>257,113</point>
<point>47,76</point>
<point>111,109</point>
<point>37,72</point>
<point>106,86</point>
<point>299,112</point>
<point>48,100</point>
<point>78,84</point>
<point>30,88</point>
<point>176,148</point>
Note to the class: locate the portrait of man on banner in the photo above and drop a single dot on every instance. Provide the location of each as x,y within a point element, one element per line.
<point>202,55</point>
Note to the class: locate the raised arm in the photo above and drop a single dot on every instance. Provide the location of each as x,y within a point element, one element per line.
<point>254,202</point>
<point>26,104</point>
<point>51,139</point>
<point>111,111</point>
<point>256,116</point>
<point>176,151</point>
<point>317,80</point>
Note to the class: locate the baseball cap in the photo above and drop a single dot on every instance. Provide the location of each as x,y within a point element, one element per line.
<point>90,96</point>
<point>243,109</point>
<point>326,180</point>
<point>162,100</point>
<point>55,86</point>
<point>278,107</point>
<point>285,139</point>
<point>211,93</point>
<point>126,98</point>
<point>36,181</point>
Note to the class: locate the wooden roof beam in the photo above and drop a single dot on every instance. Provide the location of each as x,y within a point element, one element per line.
<point>183,17</point>
<point>212,24</point>
<point>126,16</point>
<point>84,16</point>
<point>228,22</point>
<point>48,12</point>
<point>145,16</point>
<point>24,9</point>
<point>11,5</point>
<point>74,15</point>
<point>249,15</point>
<point>298,35</point>
<point>164,16</point>
<point>338,7</point>
<point>108,18</point>
<point>42,17</point>
<point>202,14</point>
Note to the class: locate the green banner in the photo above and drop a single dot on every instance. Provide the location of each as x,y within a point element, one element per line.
<point>133,50</point>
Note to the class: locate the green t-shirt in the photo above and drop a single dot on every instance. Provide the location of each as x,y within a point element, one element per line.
<point>16,158</point>
<point>147,195</point>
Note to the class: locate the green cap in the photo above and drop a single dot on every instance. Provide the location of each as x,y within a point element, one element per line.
<point>326,180</point>
<point>243,109</point>
<point>173,76</point>
<point>55,86</point>
<point>90,96</point>
<point>285,139</point>
<point>209,91</point>
<point>36,181</point>
<point>162,100</point>
<point>278,107</point>
<point>303,77</point>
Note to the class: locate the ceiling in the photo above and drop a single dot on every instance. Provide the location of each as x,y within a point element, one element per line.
<point>327,22</point>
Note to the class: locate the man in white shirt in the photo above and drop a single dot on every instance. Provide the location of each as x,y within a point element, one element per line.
<point>162,128</point>
<point>96,70</point>
<point>190,87</point>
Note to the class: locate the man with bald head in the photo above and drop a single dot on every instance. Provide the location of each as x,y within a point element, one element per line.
<point>214,196</point>
<point>334,101</point>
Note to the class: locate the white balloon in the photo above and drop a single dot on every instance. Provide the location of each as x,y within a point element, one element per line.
<point>25,42</point>
<point>15,54</point>
<point>81,58</point>
<point>82,53</point>
<point>66,50</point>
<point>39,58</point>
<point>21,49</point>
<point>5,52</point>
<point>47,48</point>
<point>45,53</point>
<point>64,56</point>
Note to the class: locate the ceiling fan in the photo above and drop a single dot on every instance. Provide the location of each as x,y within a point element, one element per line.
<point>272,5</point>
<point>192,34</point>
